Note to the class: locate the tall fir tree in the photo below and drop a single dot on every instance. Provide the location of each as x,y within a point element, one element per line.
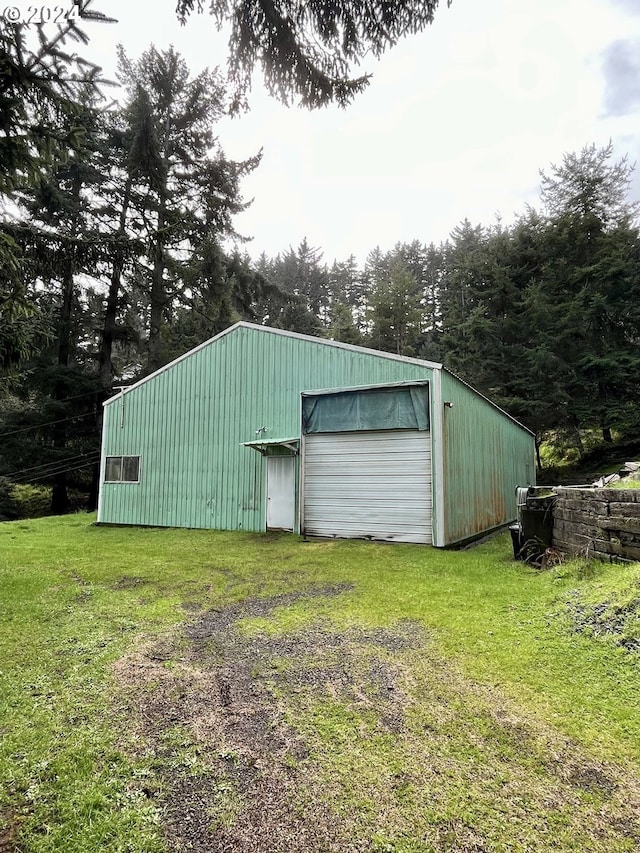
<point>395,311</point>
<point>61,230</point>
<point>193,189</point>
<point>40,123</point>
<point>593,279</point>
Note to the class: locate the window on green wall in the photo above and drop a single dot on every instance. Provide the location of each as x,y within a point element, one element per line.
<point>122,469</point>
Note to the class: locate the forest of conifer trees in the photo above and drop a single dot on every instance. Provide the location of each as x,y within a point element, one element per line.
<point>119,253</point>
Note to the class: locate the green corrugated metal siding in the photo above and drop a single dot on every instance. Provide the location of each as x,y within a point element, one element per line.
<point>486,455</point>
<point>187,424</point>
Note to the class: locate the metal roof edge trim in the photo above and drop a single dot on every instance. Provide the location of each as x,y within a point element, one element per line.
<point>340,345</point>
<point>490,402</point>
<point>379,385</point>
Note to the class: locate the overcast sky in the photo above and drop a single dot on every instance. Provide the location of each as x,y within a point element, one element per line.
<point>455,123</point>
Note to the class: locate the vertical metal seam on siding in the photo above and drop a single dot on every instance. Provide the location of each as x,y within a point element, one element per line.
<point>303,480</point>
<point>437,457</point>
<point>300,479</point>
<point>103,462</point>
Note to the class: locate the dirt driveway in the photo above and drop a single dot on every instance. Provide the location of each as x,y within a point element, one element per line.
<point>247,731</point>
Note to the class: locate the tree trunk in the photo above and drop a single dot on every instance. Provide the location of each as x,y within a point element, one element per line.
<point>59,496</point>
<point>158,304</point>
<point>111,308</point>
<point>158,290</point>
<point>105,363</point>
<point>577,436</point>
<point>538,457</point>
<point>92,500</point>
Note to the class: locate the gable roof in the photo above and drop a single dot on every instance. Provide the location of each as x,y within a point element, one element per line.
<point>268,330</point>
<point>324,342</point>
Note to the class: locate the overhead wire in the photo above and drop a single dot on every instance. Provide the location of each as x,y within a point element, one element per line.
<point>77,396</point>
<point>52,474</point>
<point>61,470</point>
<point>47,423</point>
<point>55,463</point>
<point>60,466</point>
<point>61,420</point>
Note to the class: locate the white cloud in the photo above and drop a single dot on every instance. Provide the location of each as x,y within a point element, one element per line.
<point>456,122</point>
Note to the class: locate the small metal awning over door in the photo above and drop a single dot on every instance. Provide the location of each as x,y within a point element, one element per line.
<point>275,446</point>
<point>281,480</point>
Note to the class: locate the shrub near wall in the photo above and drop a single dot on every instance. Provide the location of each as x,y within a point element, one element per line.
<point>602,523</point>
<point>22,500</point>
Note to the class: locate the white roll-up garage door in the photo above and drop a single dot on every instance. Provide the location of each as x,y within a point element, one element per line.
<point>368,485</point>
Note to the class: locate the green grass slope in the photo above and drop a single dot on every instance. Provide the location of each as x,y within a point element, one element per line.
<point>446,700</point>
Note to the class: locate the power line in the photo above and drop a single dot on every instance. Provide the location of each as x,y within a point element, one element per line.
<point>64,400</point>
<point>62,469</point>
<point>86,394</point>
<point>56,468</point>
<point>54,464</point>
<point>47,423</point>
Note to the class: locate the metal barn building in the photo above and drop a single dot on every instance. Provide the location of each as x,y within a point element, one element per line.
<point>265,429</point>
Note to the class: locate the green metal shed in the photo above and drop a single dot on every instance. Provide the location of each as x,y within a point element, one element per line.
<point>260,428</point>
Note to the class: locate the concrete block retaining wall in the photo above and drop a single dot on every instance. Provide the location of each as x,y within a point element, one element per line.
<point>602,523</point>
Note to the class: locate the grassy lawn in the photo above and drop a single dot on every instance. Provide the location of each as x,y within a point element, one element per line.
<point>167,690</point>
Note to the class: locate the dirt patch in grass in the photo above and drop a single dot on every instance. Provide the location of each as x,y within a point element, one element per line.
<point>355,740</point>
<point>8,832</point>
<point>128,582</point>
<point>227,760</point>
<point>616,621</point>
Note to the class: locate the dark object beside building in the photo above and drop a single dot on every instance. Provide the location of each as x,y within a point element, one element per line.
<point>533,533</point>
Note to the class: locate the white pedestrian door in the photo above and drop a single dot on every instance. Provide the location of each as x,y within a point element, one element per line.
<point>281,492</point>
